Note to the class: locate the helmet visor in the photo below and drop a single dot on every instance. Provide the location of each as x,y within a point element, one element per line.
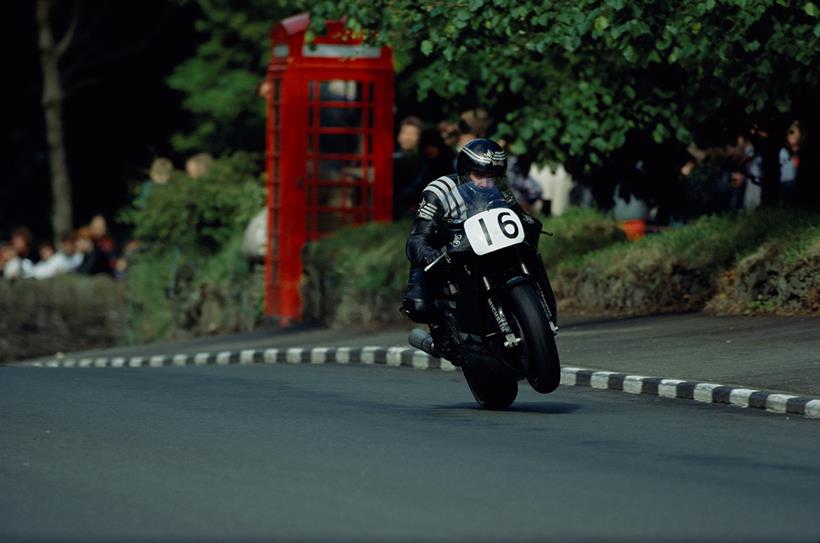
<point>485,180</point>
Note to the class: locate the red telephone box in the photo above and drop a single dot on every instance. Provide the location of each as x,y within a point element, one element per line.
<point>329,147</point>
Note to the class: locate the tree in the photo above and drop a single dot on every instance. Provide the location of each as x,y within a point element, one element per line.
<point>220,80</point>
<point>51,52</point>
<point>579,81</point>
<point>95,39</point>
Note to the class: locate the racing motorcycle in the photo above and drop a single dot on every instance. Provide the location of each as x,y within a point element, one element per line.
<point>498,321</point>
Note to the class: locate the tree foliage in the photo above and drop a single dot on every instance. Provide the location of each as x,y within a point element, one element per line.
<point>220,80</point>
<point>577,79</point>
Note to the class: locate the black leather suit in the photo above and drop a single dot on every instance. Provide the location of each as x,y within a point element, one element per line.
<point>441,205</point>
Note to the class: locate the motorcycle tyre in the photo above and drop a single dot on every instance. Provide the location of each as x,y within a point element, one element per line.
<point>544,368</point>
<point>489,392</point>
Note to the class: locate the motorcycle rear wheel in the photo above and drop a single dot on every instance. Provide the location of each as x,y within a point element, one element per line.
<point>491,392</point>
<point>538,342</point>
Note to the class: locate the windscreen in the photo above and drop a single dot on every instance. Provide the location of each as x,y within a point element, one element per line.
<point>477,200</point>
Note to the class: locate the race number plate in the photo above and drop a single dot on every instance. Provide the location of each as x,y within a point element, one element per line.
<point>493,230</point>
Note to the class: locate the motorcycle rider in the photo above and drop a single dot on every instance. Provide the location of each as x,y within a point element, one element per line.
<point>483,163</point>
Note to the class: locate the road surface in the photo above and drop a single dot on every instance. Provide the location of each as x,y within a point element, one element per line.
<point>339,453</point>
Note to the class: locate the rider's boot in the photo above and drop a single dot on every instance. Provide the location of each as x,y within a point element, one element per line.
<point>418,303</point>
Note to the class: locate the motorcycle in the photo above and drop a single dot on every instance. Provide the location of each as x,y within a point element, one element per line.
<point>498,320</point>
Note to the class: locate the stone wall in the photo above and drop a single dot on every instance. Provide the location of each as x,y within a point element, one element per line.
<point>67,313</point>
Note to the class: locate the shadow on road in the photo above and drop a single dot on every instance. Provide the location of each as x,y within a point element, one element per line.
<point>546,408</point>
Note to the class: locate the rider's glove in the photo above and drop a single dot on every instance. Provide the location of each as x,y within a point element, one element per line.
<point>430,257</point>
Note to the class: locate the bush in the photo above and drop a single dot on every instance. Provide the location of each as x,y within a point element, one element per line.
<point>356,275</point>
<point>190,276</point>
<point>575,233</point>
<point>175,295</point>
<point>199,215</point>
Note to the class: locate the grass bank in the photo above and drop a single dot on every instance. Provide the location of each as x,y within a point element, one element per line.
<point>768,261</point>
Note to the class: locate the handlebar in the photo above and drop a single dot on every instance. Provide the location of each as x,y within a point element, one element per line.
<point>436,261</point>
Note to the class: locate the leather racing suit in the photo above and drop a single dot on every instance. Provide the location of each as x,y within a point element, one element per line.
<point>441,204</point>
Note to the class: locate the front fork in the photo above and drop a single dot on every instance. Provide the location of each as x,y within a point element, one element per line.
<point>510,340</point>
<point>543,297</point>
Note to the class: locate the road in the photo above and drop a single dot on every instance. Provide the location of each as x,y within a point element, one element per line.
<point>338,453</point>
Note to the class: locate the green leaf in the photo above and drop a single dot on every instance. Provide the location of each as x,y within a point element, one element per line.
<point>811,9</point>
<point>426,47</point>
<point>518,147</point>
<point>752,46</point>
<point>601,23</point>
<point>516,84</point>
<point>657,136</point>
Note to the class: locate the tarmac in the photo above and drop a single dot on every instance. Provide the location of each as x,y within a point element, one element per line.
<point>771,363</point>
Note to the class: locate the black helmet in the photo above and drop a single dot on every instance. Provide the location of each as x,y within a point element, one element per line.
<point>483,156</point>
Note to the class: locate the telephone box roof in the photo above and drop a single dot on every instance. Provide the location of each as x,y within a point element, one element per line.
<point>294,25</point>
<point>336,44</point>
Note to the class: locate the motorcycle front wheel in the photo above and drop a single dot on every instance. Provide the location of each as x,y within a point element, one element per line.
<point>538,348</point>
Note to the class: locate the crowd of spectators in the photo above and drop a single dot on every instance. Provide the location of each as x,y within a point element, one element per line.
<point>741,175</point>
<point>423,155</point>
<point>90,249</point>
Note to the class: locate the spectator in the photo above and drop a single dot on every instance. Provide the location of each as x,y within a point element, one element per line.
<point>6,255</point>
<point>67,259</point>
<point>466,133</point>
<point>789,158</point>
<point>448,130</point>
<point>437,156</point>
<point>477,119</point>
<point>407,168</point>
<point>102,241</point>
<point>527,191</point>
<point>199,164</point>
<point>556,186</point>
<point>18,264</point>
<point>69,255</point>
<point>21,242</point>
<point>746,174</point>
<point>158,175</point>
<point>43,269</point>
<point>16,267</point>
<point>85,245</point>
<point>97,248</point>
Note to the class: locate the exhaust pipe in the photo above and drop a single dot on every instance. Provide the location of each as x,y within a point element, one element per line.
<point>423,341</point>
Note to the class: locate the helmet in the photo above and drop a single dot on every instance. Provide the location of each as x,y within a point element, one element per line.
<point>483,156</point>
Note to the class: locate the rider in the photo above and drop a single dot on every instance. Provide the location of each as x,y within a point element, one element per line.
<point>481,162</point>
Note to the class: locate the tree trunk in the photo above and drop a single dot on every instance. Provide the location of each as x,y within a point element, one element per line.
<point>50,53</point>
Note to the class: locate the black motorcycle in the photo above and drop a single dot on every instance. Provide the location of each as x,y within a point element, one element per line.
<point>497,305</point>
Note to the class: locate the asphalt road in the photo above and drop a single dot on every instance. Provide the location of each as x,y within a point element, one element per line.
<point>332,453</point>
